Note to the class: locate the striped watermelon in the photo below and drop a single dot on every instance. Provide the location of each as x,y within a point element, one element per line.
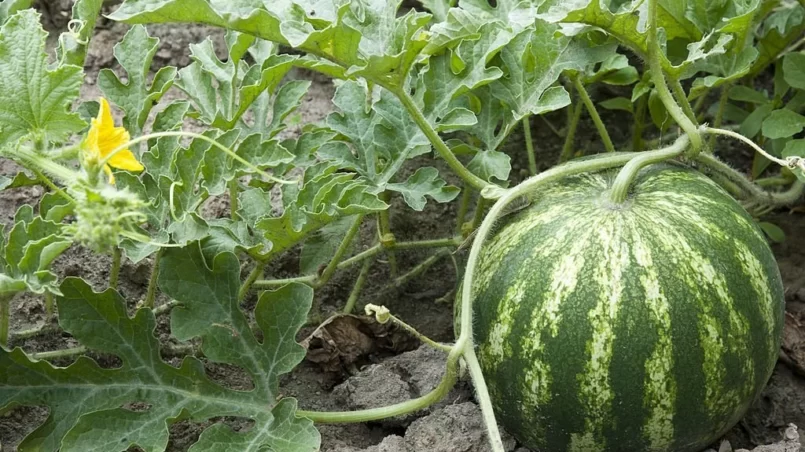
<point>646,326</point>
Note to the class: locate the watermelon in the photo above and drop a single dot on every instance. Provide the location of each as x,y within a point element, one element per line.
<point>648,325</point>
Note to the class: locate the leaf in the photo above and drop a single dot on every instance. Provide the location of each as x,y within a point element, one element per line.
<point>794,70</point>
<point>743,93</point>
<point>533,62</point>
<point>490,165</point>
<point>438,8</point>
<point>73,44</point>
<point>86,401</point>
<point>772,231</point>
<point>9,7</point>
<point>20,179</point>
<point>384,49</point>
<point>783,123</point>
<point>135,54</point>
<point>381,133</point>
<point>224,91</point>
<point>322,245</point>
<point>27,252</point>
<point>33,99</point>
<point>618,103</point>
<point>424,182</point>
<point>752,124</point>
<point>324,197</point>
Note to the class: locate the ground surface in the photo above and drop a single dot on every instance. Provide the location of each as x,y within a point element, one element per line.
<point>381,376</point>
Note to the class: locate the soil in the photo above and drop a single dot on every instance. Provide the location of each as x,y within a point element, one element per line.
<point>391,374</point>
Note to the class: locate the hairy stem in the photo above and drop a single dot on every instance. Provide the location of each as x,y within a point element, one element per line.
<point>658,77</point>
<point>438,144</point>
<point>49,305</point>
<point>256,273</point>
<point>682,99</point>
<point>448,381</point>
<point>339,253</point>
<point>487,410</point>
<point>620,188</point>
<point>234,189</point>
<point>386,236</point>
<point>719,119</point>
<point>463,207</point>
<point>419,269</point>
<point>114,273</point>
<point>753,193</point>
<point>151,293</point>
<point>5,314</point>
<point>599,124</point>
<point>358,287</point>
<point>570,137</point>
<point>639,125</point>
<point>529,146</point>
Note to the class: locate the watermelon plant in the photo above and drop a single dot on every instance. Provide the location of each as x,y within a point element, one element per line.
<point>621,301</point>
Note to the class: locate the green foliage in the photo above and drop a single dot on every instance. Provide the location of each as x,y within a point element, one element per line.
<point>135,54</point>
<point>26,252</point>
<point>91,407</point>
<point>33,97</point>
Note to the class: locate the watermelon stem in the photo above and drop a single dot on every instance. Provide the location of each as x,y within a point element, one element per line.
<point>661,86</point>
<point>753,193</point>
<point>620,188</point>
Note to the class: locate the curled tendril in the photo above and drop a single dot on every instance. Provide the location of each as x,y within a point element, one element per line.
<point>75,27</point>
<point>796,162</point>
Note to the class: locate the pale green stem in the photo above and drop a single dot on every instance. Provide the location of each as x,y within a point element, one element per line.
<point>620,188</point>
<point>65,353</point>
<point>56,189</point>
<point>150,296</point>
<point>265,283</point>
<point>754,193</point>
<point>682,99</point>
<point>424,339</point>
<point>256,273</point>
<point>658,77</point>
<point>789,162</point>
<point>529,145</point>
<point>438,144</point>
<point>234,189</point>
<point>197,136</point>
<point>419,269</point>
<point>356,289</point>
<point>339,253</point>
<point>551,126</point>
<point>5,314</point>
<point>570,137</point>
<point>42,164</point>
<point>640,119</point>
<point>165,307</point>
<point>386,236</point>
<point>775,181</point>
<point>114,273</point>
<point>49,304</point>
<point>45,328</point>
<point>463,207</point>
<point>599,124</point>
<point>360,257</point>
<point>697,107</point>
<point>719,119</point>
<point>442,389</point>
<point>487,410</point>
<point>479,213</point>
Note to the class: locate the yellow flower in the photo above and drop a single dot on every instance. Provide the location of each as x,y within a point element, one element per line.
<point>103,138</point>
